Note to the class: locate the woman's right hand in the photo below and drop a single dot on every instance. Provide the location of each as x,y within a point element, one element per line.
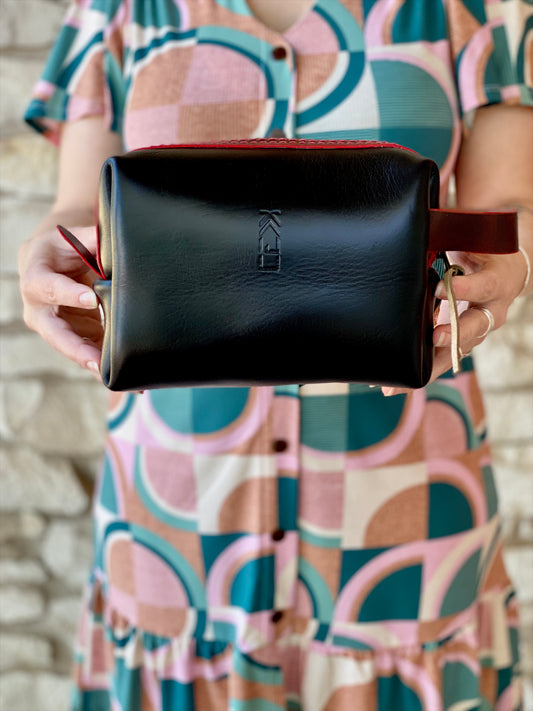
<point>59,302</point>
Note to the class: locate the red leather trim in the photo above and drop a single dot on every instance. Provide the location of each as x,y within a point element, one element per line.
<point>82,251</point>
<point>285,143</point>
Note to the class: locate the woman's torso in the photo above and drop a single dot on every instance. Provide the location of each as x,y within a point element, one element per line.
<point>324,511</point>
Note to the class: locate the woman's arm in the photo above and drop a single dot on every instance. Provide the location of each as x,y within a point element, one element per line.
<point>494,170</point>
<point>55,284</point>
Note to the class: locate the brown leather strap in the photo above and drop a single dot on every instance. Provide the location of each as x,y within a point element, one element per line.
<point>473,231</point>
<point>449,231</point>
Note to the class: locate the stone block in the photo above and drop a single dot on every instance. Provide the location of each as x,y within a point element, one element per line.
<point>27,353</point>
<point>22,691</point>
<point>519,456</point>
<point>21,572</point>
<point>519,564</point>
<point>525,529</point>
<point>19,402</point>
<point>505,359</point>
<point>67,551</point>
<point>20,605</point>
<point>28,166</point>
<point>61,623</point>
<point>510,415</point>
<point>34,483</point>
<point>69,420</point>
<point>18,220</point>
<point>11,308</point>
<point>25,651</point>
<point>89,467</point>
<point>30,23</point>
<point>528,694</point>
<point>512,471</point>
<point>18,76</point>
<point>22,525</point>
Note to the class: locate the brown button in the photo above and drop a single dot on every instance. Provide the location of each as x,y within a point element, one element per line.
<point>276,617</point>
<point>278,535</point>
<point>277,133</point>
<point>280,445</point>
<point>279,52</point>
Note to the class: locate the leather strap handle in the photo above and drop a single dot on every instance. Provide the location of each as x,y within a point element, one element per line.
<point>473,231</point>
<point>449,231</point>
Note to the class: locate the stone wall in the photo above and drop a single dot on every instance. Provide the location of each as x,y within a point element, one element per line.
<point>52,414</point>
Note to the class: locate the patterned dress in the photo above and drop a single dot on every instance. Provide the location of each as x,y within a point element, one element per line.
<point>318,547</point>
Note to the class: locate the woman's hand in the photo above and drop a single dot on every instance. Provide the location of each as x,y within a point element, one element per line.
<point>56,284</point>
<point>59,302</point>
<point>491,282</point>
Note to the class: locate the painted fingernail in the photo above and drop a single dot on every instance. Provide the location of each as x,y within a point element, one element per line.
<point>440,291</point>
<point>94,368</point>
<point>88,298</point>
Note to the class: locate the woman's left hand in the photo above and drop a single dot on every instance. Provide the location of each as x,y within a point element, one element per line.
<point>491,282</point>
<point>494,170</point>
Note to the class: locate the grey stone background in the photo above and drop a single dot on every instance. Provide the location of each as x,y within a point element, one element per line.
<point>52,415</point>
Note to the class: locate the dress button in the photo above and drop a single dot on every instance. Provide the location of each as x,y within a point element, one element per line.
<point>280,445</point>
<point>279,52</point>
<point>276,617</point>
<point>278,535</point>
<point>277,133</point>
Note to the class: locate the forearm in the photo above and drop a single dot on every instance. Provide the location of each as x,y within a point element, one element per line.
<point>495,171</point>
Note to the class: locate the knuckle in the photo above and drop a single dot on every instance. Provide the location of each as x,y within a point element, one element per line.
<point>49,292</point>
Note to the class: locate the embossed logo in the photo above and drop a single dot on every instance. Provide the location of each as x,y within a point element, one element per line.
<point>269,247</point>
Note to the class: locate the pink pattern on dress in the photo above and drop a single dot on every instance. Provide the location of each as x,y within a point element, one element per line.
<point>472,68</point>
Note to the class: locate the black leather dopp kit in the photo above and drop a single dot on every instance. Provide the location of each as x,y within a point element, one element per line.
<point>274,261</point>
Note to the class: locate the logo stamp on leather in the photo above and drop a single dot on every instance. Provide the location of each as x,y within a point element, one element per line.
<point>269,248</point>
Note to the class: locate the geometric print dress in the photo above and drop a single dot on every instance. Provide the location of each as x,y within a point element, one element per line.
<point>305,547</point>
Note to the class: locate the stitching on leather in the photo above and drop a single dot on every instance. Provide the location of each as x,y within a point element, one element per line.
<point>288,142</point>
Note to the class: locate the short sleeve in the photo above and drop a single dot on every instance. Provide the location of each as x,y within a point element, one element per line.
<point>83,75</point>
<point>492,47</point>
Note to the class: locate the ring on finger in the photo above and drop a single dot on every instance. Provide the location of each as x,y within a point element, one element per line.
<point>490,318</point>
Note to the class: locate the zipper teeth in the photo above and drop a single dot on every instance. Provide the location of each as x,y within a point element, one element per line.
<point>287,142</point>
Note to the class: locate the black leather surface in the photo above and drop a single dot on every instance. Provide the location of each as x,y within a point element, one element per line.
<point>190,300</point>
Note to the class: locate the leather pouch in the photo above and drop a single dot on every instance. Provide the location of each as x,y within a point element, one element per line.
<point>274,261</point>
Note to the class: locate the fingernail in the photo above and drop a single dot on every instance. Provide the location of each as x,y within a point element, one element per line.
<point>388,391</point>
<point>94,368</point>
<point>440,291</point>
<point>88,298</point>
